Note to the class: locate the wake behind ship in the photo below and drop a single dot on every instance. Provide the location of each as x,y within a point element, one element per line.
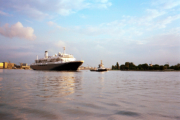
<point>58,62</point>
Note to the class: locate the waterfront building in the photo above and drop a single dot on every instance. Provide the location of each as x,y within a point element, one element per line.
<point>1,65</point>
<point>8,65</point>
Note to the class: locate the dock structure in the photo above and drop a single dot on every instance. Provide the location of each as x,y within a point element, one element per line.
<point>1,65</point>
<point>24,66</point>
<point>9,65</point>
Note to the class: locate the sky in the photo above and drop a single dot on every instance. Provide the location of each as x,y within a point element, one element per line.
<point>138,31</point>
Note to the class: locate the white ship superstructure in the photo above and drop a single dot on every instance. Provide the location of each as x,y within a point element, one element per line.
<point>101,67</point>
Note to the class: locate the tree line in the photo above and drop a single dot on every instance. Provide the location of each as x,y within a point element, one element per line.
<point>145,66</point>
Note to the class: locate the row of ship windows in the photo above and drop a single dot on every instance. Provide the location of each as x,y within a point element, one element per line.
<point>43,61</point>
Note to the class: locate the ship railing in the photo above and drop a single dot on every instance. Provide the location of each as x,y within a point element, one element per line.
<point>51,62</point>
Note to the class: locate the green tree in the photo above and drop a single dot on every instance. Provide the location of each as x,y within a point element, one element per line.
<point>132,66</point>
<point>172,67</point>
<point>112,67</point>
<point>140,67</point>
<point>122,67</point>
<point>145,66</point>
<point>166,66</point>
<point>162,67</point>
<point>127,65</point>
<point>156,67</point>
<point>176,67</point>
<point>117,66</point>
<point>151,68</point>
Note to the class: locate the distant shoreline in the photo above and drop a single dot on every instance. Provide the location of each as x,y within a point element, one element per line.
<point>149,70</point>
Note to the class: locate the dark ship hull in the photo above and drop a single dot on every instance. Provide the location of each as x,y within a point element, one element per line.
<point>68,66</point>
<point>101,70</point>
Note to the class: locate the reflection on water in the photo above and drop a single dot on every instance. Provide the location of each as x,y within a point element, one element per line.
<point>28,94</point>
<point>1,70</point>
<point>58,86</point>
<point>0,85</point>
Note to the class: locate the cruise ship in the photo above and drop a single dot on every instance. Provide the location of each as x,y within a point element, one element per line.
<point>58,62</point>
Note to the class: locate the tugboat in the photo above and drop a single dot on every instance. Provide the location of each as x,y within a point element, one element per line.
<point>101,68</point>
<point>58,62</point>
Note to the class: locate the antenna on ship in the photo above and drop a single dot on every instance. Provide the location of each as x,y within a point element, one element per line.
<point>64,49</point>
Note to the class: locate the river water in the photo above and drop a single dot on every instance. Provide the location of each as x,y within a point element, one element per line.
<point>112,95</point>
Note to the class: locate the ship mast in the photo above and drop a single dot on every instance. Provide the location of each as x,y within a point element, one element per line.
<point>64,50</point>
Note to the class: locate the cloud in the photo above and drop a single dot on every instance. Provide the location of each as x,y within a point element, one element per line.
<point>101,4</point>
<point>170,19</point>
<point>5,14</point>
<point>17,30</point>
<point>162,23</point>
<point>33,13</point>
<point>53,24</point>
<point>60,44</point>
<point>50,23</point>
<point>83,16</point>
<point>170,39</point>
<point>29,21</point>
<point>39,9</point>
<point>170,4</point>
<point>153,13</point>
<point>128,26</point>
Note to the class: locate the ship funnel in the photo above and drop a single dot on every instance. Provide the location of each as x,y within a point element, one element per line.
<point>46,54</point>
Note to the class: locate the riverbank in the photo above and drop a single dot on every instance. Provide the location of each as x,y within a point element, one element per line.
<point>149,70</point>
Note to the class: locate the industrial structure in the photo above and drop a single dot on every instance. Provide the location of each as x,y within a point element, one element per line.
<point>6,65</point>
<point>1,65</point>
<point>9,65</point>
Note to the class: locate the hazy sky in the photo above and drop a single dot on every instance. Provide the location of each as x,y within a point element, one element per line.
<point>138,31</point>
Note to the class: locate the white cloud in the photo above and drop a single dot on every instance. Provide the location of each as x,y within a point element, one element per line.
<point>175,31</point>
<point>153,13</point>
<point>17,30</point>
<point>140,43</point>
<point>166,40</point>
<point>170,19</point>
<point>31,11</point>
<point>42,9</point>
<point>28,21</point>
<point>105,5</point>
<point>104,1</point>
<point>60,44</point>
<point>65,12</point>
<point>5,14</point>
<point>169,4</point>
<point>101,4</point>
<point>50,23</point>
<point>83,16</point>
<point>129,27</point>
<point>162,23</point>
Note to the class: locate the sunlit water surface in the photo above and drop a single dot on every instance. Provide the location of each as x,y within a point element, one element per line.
<point>113,95</point>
